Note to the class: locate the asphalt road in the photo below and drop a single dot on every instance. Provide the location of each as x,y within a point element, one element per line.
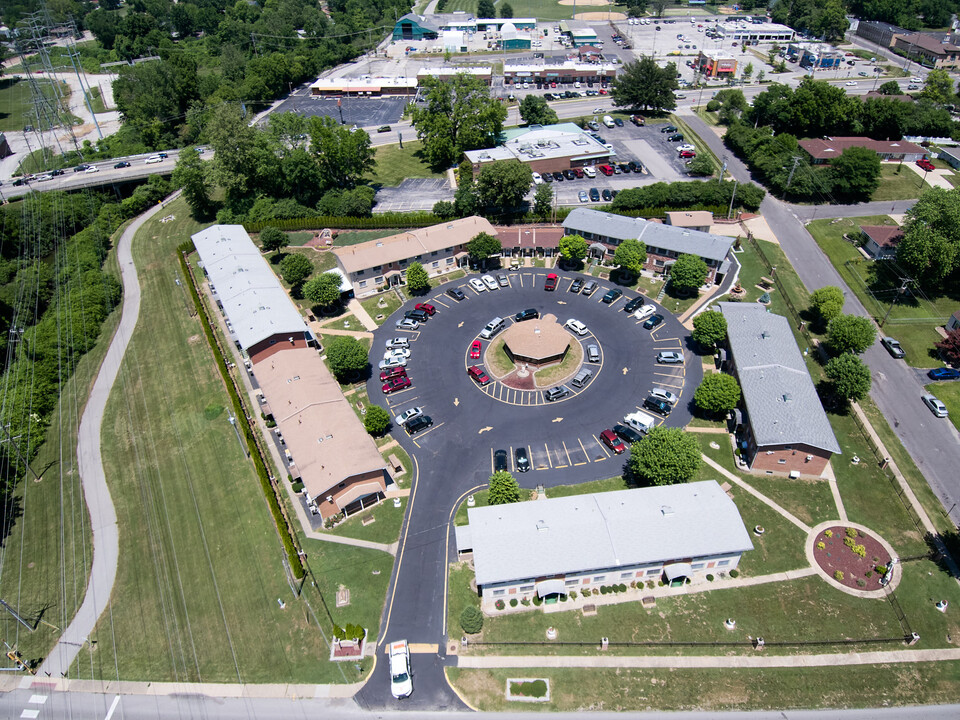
<point>455,456</point>
<point>933,443</point>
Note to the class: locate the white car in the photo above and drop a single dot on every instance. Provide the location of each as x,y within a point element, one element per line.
<point>589,172</point>
<point>665,395</point>
<point>153,159</point>
<point>935,405</point>
<point>396,352</point>
<point>644,312</point>
<point>393,362</point>
<point>576,326</point>
<point>44,178</point>
<point>398,342</point>
<point>477,284</point>
<point>400,683</point>
<point>409,414</point>
<point>851,83</point>
<point>537,179</point>
<point>489,281</point>
<point>686,146</point>
<point>92,169</point>
<point>670,357</point>
<point>598,111</point>
<point>681,96</point>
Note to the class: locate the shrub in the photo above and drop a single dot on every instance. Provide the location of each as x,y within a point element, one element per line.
<point>471,620</point>
<point>660,583</point>
<point>881,569</point>
<point>849,542</point>
<point>734,573</point>
<point>573,594</point>
<point>533,688</point>
<point>537,601</point>
<point>868,573</point>
<point>859,550</point>
<point>650,584</point>
<point>603,590</point>
<point>709,578</point>
<point>828,533</point>
<point>563,598</point>
<point>525,602</point>
<point>852,532</point>
<point>838,575</point>
<point>821,545</point>
<point>499,605</point>
<point>623,587</point>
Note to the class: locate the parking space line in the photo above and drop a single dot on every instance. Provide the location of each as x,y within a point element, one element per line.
<point>566,452</point>
<point>584,454</point>
<point>549,459</point>
<point>438,301</point>
<point>603,447</point>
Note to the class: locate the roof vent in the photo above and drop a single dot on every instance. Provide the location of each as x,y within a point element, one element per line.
<point>666,510</point>
<point>542,526</point>
<point>764,334</point>
<point>379,244</point>
<point>787,397</point>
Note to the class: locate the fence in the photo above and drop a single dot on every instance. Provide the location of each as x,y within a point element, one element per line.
<point>898,611</point>
<point>706,644</point>
<point>791,308</point>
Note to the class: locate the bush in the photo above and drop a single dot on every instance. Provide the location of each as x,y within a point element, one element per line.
<point>828,533</point>
<point>859,550</point>
<point>861,583</point>
<point>471,619</point>
<point>376,420</point>
<point>573,594</point>
<point>537,602</point>
<point>525,602</point>
<point>713,106</point>
<point>734,573</point>
<point>499,604</point>
<point>881,569</point>
<point>709,578</point>
<point>821,545</point>
<point>603,590</point>
<point>838,575</point>
<point>563,598</point>
<point>623,588</point>
<point>852,532</point>
<point>513,602</point>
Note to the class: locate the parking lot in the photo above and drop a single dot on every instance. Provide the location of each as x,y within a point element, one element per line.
<point>360,111</point>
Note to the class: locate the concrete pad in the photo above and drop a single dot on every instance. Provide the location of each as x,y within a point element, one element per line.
<point>652,160</point>
<point>761,229</point>
<point>935,177</point>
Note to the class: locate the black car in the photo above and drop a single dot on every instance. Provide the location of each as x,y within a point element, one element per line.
<point>418,315</point>
<point>624,167</point>
<point>594,195</point>
<point>55,173</point>
<point>80,168</point>
<point>558,176</point>
<point>618,122</point>
<point>528,314</point>
<point>612,296</point>
<point>668,128</point>
<point>658,406</point>
<point>677,137</point>
<point>420,422</point>
<point>569,174</point>
<point>635,166</point>
<point>606,195</point>
<point>555,393</point>
<point>547,177</point>
<point>634,304</point>
<point>161,155</point>
<point>653,321</point>
<point>456,294</point>
<point>499,460</point>
<point>522,459</point>
<point>121,164</point>
<point>627,434</point>
<point>576,286</point>
<point>548,96</point>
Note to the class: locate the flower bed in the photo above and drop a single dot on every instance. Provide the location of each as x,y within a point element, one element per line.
<point>528,689</point>
<point>851,557</point>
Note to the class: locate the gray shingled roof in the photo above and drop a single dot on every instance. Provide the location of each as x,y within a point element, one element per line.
<point>782,403</point>
<point>603,531</point>
<point>668,237</point>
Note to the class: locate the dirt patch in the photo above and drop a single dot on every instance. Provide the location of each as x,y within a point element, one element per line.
<point>583,3</point>
<point>600,16</point>
<point>837,555</point>
<point>193,339</point>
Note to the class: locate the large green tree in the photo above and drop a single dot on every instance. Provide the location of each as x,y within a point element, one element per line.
<point>190,174</point>
<point>295,268</point>
<point>535,111</point>
<point>543,200</point>
<point>243,161</point>
<point>930,248</point>
<point>342,155</point>
<point>629,256</point>
<point>347,356</point>
<point>717,393</point>
<point>938,88</point>
<point>850,376</point>
<point>503,489</point>
<point>644,84</point>
<point>483,245</point>
<point>710,328</point>
<point>323,290</point>
<point>688,273</point>
<point>485,9</point>
<point>417,279</point>
<point>850,333</point>
<point>573,247</point>
<point>456,115</point>
<point>666,456</point>
<point>827,302</point>
<point>855,174</point>
<point>376,420</point>
<point>273,239</point>
<point>502,186</point>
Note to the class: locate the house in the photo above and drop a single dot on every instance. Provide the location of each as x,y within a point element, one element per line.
<point>665,243</point>
<point>881,240</point>
<point>260,318</point>
<point>699,220</point>
<point>529,240</point>
<point>879,33</point>
<point>526,549</point>
<point>954,322</point>
<point>544,148</point>
<point>928,50</point>
<point>783,429</point>
<point>823,150</point>
<point>951,156</point>
<point>372,265</point>
<point>877,95</point>
<point>716,64</point>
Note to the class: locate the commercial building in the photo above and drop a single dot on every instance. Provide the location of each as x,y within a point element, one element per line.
<point>665,243</point>
<point>880,241</point>
<point>783,428</point>
<point>550,547</point>
<point>513,39</point>
<point>364,87</point>
<point>822,151</point>
<point>448,72</point>
<point>415,27</point>
<point>928,50</point>
<point>755,33</point>
<point>716,64</point>
<point>579,33</point>
<point>545,148</point>
<point>430,27</point>
<point>880,33</point>
<point>815,55</point>
<point>564,71</point>
<point>374,265</point>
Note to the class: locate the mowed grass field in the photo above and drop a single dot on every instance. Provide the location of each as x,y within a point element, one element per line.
<point>540,9</point>
<point>200,571</point>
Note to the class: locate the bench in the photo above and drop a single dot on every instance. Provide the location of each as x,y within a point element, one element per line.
<point>395,464</point>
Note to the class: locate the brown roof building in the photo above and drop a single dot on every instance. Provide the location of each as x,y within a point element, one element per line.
<point>693,219</point>
<point>326,444</point>
<point>881,240</point>
<point>823,150</point>
<point>929,49</point>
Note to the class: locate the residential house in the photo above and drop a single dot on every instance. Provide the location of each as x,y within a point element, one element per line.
<point>880,241</point>
<point>823,150</point>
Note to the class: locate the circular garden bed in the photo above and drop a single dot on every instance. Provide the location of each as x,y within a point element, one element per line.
<point>851,557</point>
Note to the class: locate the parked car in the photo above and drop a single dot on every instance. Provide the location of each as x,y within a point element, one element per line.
<point>456,294</point>
<point>685,146</point>
<point>611,296</point>
<point>576,286</point>
<point>594,195</point>
<point>635,166</point>
<point>478,375</point>
<point>644,311</point>
<point>665,395</point>
<point>475,349</point>
<point>618,122</point>
<point>421,422</point>
<point>576,326</point>
<point>477,285</point>
<point>558,176</point>
<point>606,195</point>
<point>610,439</point>
<point>521,459</point>
<point>397,342</point>
<point>687,154</point>
<point>396,383</point>
<point>606,170</point>
<point>657,405</point>
<point>589,172</point>
<point>392,372</point>
<point>499,460</point>
<point>555,393</point>
<point>407,324</point>
<point>400,683</point>
<point>676,137</point>
<point>653,321</point>
<point>537,179</point>
<point>925,164</point>
<point>583,196</point>
<point>551,283</point>
<point>670,357</point>
<point>489,282</point>
<point>593,353</point>
<point>502,280</point>
<point>589,288</point>
<point>418,315</point>
<point>893,346</point>
<point>399,352</point>
<point>121,164</point>
<point>634,305</point>
<point>426,307</point>
<point>627,434</point>
<point>944,374</point>
<point>408,415</point>
<point>668,129</point>
<point>936,407</point>
<point>528,314</point>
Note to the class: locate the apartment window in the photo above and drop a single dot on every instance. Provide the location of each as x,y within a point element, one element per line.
<point>626,575</point>
<point>653,571</point>
<point>600,578</point>
<point>499,592</point>
<point>526,588</point>
<point>378,268</point>
<point>723,563</point>
<point>697,566</point>
<point>449,261</point>
<point>436,264</point>
<point>378,280</point>
<point>434,253</point>
<point>363,283</point>
<point>360,273</point>
<point>572,583</point>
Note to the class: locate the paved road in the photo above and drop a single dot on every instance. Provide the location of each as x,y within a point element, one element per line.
<point>933,444</point>
<point>103,518</point>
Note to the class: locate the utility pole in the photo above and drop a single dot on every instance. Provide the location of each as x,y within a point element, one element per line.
<point>901,291</point>
<point>732,198</point>
<point>16,447</point>
<point>796,159</point>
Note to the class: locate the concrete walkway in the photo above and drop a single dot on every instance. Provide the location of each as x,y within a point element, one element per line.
<point>103,517</point>
<point>226,690</point>
<point>360,312</point>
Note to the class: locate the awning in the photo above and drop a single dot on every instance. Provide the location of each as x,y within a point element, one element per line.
<point>551,587</point>
<point>553,74</point>
<point>677,570</point>
<point>392,273</point>
<point>464,537</point>
<point>599,247</point>
<point>356,492</point>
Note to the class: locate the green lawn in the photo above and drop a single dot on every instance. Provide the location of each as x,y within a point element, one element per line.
<point>395,164</point>
<point>16,108</point>
<point>553,374</point>
<point>385,528</point>
<point>201,571</point>
<point>96,101</point>
<point>540,9</point>
<point>480,498</point>
<point>949,394</point>
<point>898,183</point>
<point>383,305</point>
<point>299,239</point>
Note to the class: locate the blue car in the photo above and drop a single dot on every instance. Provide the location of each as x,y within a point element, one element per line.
<point>944,374</point>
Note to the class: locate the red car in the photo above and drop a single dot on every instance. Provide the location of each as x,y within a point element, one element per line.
<point>477,374</point>
<point>553,84</point>
<point>551,282</point>
<point>426,307</point>
<point>687,154</point>
<point>396,383</point>
<point>925,164</point>
<point>603,91</point>
<point>578,172</point>
<point>605,169</point>
<point>613,442</point>
<point>475,350</point>
<point>392,373</point>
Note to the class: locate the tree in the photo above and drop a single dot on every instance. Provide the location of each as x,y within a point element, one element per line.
<point>856,173</point>
<point>827,302</point>
<point>658,7</point>
<point>850,333</point>
<point>949,347</point>
<point>732,103</point>
<point>295,268</point>
<point>850,376</point>
<point>485,9</point>
<point>444,209</point>
<point>573,248</point>
<point>273,239</point>
<point>483,245</point>
<point>930,248</point>
<point>342,156</point>
<point>190,174</point>
<point>748,72</point>
<point>376,420</point>
<point>347,356</point>
<point>503,489</point>
<point>506,10</point>
<point>543,200</point>
<point>417,279</point>
<point>535,111</point>
<point>666,456</point>
<point>456,115</point>
<point>502,185</point>
<point>471,620</point>
<point>701,165</point>
<point>243,160</point>
<point>688,273</point>
<point>323,290</point>
<point>630,256</point>
<point>644,84</point>
<point>717,393</point>
<point>710,328</point>
<point>774,54</point>
<point>938,88</point>
<point>761,75</point>
<point>891,87</point>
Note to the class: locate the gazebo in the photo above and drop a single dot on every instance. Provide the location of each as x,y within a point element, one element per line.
<point>539,342</point>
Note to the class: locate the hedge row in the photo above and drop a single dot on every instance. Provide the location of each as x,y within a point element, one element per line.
<point>283,528</point>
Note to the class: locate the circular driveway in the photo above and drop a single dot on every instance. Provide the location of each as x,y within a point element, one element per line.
<point>561,437</point>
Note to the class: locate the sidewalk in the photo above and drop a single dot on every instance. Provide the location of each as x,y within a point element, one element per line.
<point>226,690</point>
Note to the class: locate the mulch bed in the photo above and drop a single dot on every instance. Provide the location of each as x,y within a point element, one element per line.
<point>836,555</point>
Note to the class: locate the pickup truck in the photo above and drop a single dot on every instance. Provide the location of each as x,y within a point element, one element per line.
<point>400,683</point>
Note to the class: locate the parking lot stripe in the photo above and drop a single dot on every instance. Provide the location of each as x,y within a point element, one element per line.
<point>549,459</point>
<point>603,447</point>
<point>584,453</point>
<point>438,301</point>
<point>566,452</point>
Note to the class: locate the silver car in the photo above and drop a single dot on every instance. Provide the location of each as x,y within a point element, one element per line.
<point>670,357</point>
<point>935,405</point>
<point>665,395</point>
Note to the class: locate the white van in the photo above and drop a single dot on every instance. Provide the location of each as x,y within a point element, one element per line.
<point>608,121</point>
<point>492,328</point>
<point>639,421</point>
